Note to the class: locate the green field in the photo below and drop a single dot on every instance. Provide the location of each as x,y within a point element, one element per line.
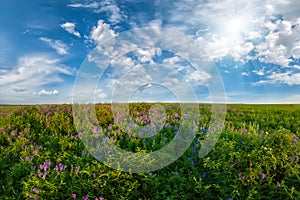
<point>256,156</point>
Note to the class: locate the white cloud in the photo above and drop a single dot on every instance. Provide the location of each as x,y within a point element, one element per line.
<point>46,92</point>
<point>70,28</point>
<point>290,9</point>
<point>245,73</point>
<point>57,45</point>
<point>19,82</point>
<point>101,32</point>
<point>110,7</point>
<point>259,72</point>
<point>281,45</point>
<point>287,78</point>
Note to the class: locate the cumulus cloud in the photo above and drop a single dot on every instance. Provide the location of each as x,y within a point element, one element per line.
<point>101,32</point>
<point>70,28</point>
<point>281,45</point>
<point>57,45</point>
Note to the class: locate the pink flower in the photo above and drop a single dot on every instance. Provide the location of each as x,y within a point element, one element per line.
<point>278,184</point>
<point>35,190</point>
<point>101,171</point>
<point>74,196</point>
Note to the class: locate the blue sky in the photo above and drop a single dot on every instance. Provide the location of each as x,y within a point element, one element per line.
<point>254,45</point>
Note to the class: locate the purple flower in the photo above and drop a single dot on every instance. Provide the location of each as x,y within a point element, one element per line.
<point>35,190</point>
<point>55,168</point>
<point>44,176</point>
<point>101,198</point>
<point>263,175</point>
<point>239,175</point>
<point>74,196</point>
<point>86,197</point>
<point>176,173</point>
<point>24,148</point>
<point>101,171</point>
<point>278,184</point>
<point>150,173</point>
<point>61,166</point>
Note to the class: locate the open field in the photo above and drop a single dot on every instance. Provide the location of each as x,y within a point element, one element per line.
<point>256,156</point>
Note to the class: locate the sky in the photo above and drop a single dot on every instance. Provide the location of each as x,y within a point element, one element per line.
<point>67,51</point>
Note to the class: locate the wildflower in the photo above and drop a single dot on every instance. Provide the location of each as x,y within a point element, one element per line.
<point>61,167</point>
<point>101,198</point>
<point>35,190</point>
<point>263,175</point>
<point>239,175</point>
<point>278,184</point>
<point>150,173</point>
<point>44,176</point>
<point>101,171</point>
<point>176,173</point>
<point>74,196</point>
<point>86,197</point>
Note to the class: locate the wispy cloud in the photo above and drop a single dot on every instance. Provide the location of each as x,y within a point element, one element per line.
<point>57,45</point>
<point>109,7</point>
<point>287,78</point>
<point>29,75</point>
<point>70,28</point>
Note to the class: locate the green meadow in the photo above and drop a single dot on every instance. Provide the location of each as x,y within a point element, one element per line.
<point>255,157</point>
